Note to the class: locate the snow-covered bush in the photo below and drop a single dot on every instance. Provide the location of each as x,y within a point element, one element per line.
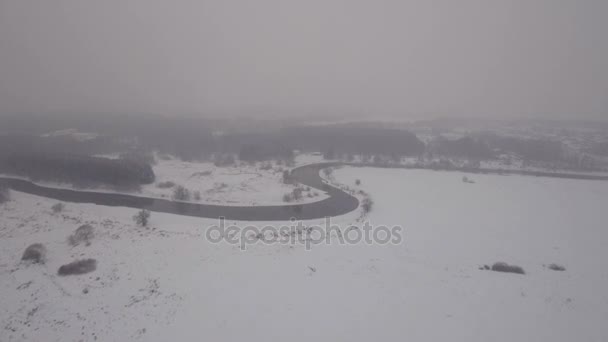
<point>58,207</point>
<point>142,218</point>
<point>78,267</point>
<point>84,233</point>
<point>35,253</point>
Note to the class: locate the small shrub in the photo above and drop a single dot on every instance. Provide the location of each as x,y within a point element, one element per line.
<point>296,194</point>
<point>57,207</point>
<point>35,253</point>
<point>142,218</point>
<point>165,185</point>
<point>197,195</point>
<point>556,267</point>
<point>181,194</point>
<point>504,267</point>
<point>84,233</point>
<point>287,179</point>
<point>287,198</point>
<point>358,182</point>
<point>78,267</point>
<point>5,194</point>
<point>367,205</point>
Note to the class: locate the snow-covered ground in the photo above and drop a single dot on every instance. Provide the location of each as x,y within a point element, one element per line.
<point>258,184</point>
<point>168,283</point>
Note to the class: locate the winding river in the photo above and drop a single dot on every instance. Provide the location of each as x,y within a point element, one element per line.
<point>338,203</point>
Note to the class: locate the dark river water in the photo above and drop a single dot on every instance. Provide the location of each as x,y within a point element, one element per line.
<point>338,203</point>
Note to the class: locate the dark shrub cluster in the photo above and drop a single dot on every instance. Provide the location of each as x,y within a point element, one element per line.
<point>78,267</point>
<point>504,267</point>
<point>142,218</point>
<point>165,185</point>
<point>35,253</point>
<point>556,267</point>
<point>287,178</point>
<point>367,204</point>
<point>57,207</point>
<point>84,234</point>
<point>180,193</point>
<point>79,170</point>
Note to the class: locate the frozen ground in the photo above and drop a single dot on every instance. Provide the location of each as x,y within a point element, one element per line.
<point>168,283</point>
<point>258,184</point>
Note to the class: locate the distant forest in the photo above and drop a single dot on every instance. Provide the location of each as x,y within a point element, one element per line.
<point>82,171</point>
<point>28,151</point>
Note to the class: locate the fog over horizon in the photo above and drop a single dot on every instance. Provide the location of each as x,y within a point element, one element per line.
<point>404,59</point>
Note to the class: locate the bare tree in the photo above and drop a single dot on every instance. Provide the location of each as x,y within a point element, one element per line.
<point>142,218</point>
<point>181,194</point>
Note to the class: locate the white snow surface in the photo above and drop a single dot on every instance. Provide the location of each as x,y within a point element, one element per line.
<point>168,283</point>
<point>239,185</point>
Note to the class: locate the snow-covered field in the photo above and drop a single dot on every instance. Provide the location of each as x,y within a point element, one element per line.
<point>168,283</point>
<point>239,185</point>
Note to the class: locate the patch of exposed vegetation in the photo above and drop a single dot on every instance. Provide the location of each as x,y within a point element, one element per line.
<point>180,193</point>
<point>78,267</point>
<point>35,253</point>
<point>165,185</point>
<point>367,204</point>
<point>142,218</point>
<point>58,207</point>
<point>84,234</point>
<point>556,267</point>
<point>506,268</point>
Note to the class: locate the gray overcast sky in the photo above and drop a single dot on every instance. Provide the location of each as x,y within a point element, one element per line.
<point>483,58</point>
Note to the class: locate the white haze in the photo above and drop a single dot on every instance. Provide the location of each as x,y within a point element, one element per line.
<point>481,58</point>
